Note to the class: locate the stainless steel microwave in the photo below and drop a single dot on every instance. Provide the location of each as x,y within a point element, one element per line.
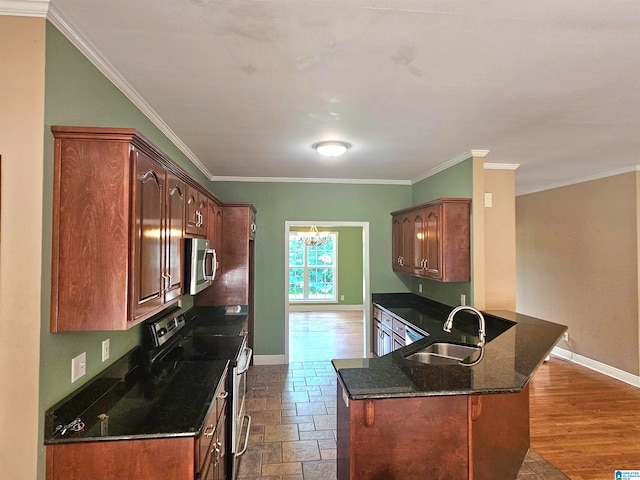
<point>201,265</point>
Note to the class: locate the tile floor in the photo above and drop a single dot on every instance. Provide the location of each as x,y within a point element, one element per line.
<point>293,431</point>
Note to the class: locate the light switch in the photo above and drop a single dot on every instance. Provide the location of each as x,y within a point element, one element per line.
<point>105,350</point>
<point>78,366</point>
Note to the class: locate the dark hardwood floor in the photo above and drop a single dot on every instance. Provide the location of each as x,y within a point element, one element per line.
<point>583,422</point>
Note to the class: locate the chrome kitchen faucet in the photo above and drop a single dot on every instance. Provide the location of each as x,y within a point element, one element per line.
<point>481,331</point>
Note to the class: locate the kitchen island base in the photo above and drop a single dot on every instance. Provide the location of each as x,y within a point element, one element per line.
<point>477,437</point>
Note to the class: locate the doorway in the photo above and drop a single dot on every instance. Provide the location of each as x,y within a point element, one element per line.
<point>318,314</point>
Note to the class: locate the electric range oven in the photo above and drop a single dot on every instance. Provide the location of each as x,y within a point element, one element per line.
<point>173,340</point>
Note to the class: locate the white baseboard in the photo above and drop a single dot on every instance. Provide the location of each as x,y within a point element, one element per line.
<point>596,366</point>
<point>319,308</point>
<point>268,360</point>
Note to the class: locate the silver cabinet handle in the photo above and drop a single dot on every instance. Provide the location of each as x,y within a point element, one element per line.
<point>213,430</point>
<point>223,395</point>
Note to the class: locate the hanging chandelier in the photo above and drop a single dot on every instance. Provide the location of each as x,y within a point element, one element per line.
<point>313,238</point>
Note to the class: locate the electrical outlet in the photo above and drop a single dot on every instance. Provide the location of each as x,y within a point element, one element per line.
<point>565,336</point>
<point>342,298</point>
<point>419,288</point>
<point>105,350</point>
<point>463,299</point>
<point>78,366</point>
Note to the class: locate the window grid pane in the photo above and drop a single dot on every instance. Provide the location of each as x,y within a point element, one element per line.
<point>312,269</point>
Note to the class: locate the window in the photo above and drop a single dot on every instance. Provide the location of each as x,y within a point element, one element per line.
<point>313,270</point>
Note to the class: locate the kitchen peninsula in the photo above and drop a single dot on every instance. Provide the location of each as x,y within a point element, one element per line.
<point>402,419</point>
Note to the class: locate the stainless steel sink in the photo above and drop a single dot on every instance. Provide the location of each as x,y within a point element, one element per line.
<point>446,354</point>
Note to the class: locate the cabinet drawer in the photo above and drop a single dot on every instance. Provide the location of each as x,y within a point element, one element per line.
<point>386,320</point>
<point>377,314</point>
<point>398,327</point>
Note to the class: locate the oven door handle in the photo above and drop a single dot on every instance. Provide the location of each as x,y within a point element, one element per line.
<point>244,369</point>
<point>246,436</point>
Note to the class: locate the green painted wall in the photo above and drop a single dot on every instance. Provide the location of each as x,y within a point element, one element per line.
<point>277,203</point>
<point>76,93</point>
<point>350,265</point>
<point>455,182</point>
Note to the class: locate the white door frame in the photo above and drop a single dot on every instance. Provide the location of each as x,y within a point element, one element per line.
<point>366,295</point>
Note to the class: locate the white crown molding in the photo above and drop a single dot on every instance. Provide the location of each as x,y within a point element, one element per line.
<point>450,163</point>
<point>599,176</point>
<point>109,71</point>
<point>479,153</point>
<point>352,181</point>
<point>24,8</point>
<point>501,166</point>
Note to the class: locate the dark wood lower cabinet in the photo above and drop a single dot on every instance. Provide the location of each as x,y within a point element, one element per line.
<point>444,437</point>
<point>153,459</point>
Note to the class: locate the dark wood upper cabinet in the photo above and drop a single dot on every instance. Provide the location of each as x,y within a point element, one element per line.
<point>149,188</point>
<point>118,227</point>
<point>174,233</point>
<point>196,212</point>
<point>215,213</point>
<point>433,240</point>
<point>402,245</point>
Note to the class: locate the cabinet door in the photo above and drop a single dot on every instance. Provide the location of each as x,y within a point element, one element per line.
<point>433,241</point>
<point>220,448</point>
<point>396,246</point>
<point>149,195</point>
<point>418,254</point>
<point>377,336</point>
<point>386,341</point>
<point>402,243</point>
<point>398,342</point>
<point>174,232</point>
<point>407,243</point>
<point>214,222</point>
<point>196,212</point>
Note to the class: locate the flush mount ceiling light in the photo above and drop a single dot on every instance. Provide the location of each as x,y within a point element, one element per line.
<point>332,148</point>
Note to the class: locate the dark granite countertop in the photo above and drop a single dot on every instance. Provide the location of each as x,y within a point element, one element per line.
<point>516,345</point>
<point>170,400</point>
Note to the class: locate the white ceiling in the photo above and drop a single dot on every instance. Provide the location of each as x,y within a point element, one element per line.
<point>248,86</point>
